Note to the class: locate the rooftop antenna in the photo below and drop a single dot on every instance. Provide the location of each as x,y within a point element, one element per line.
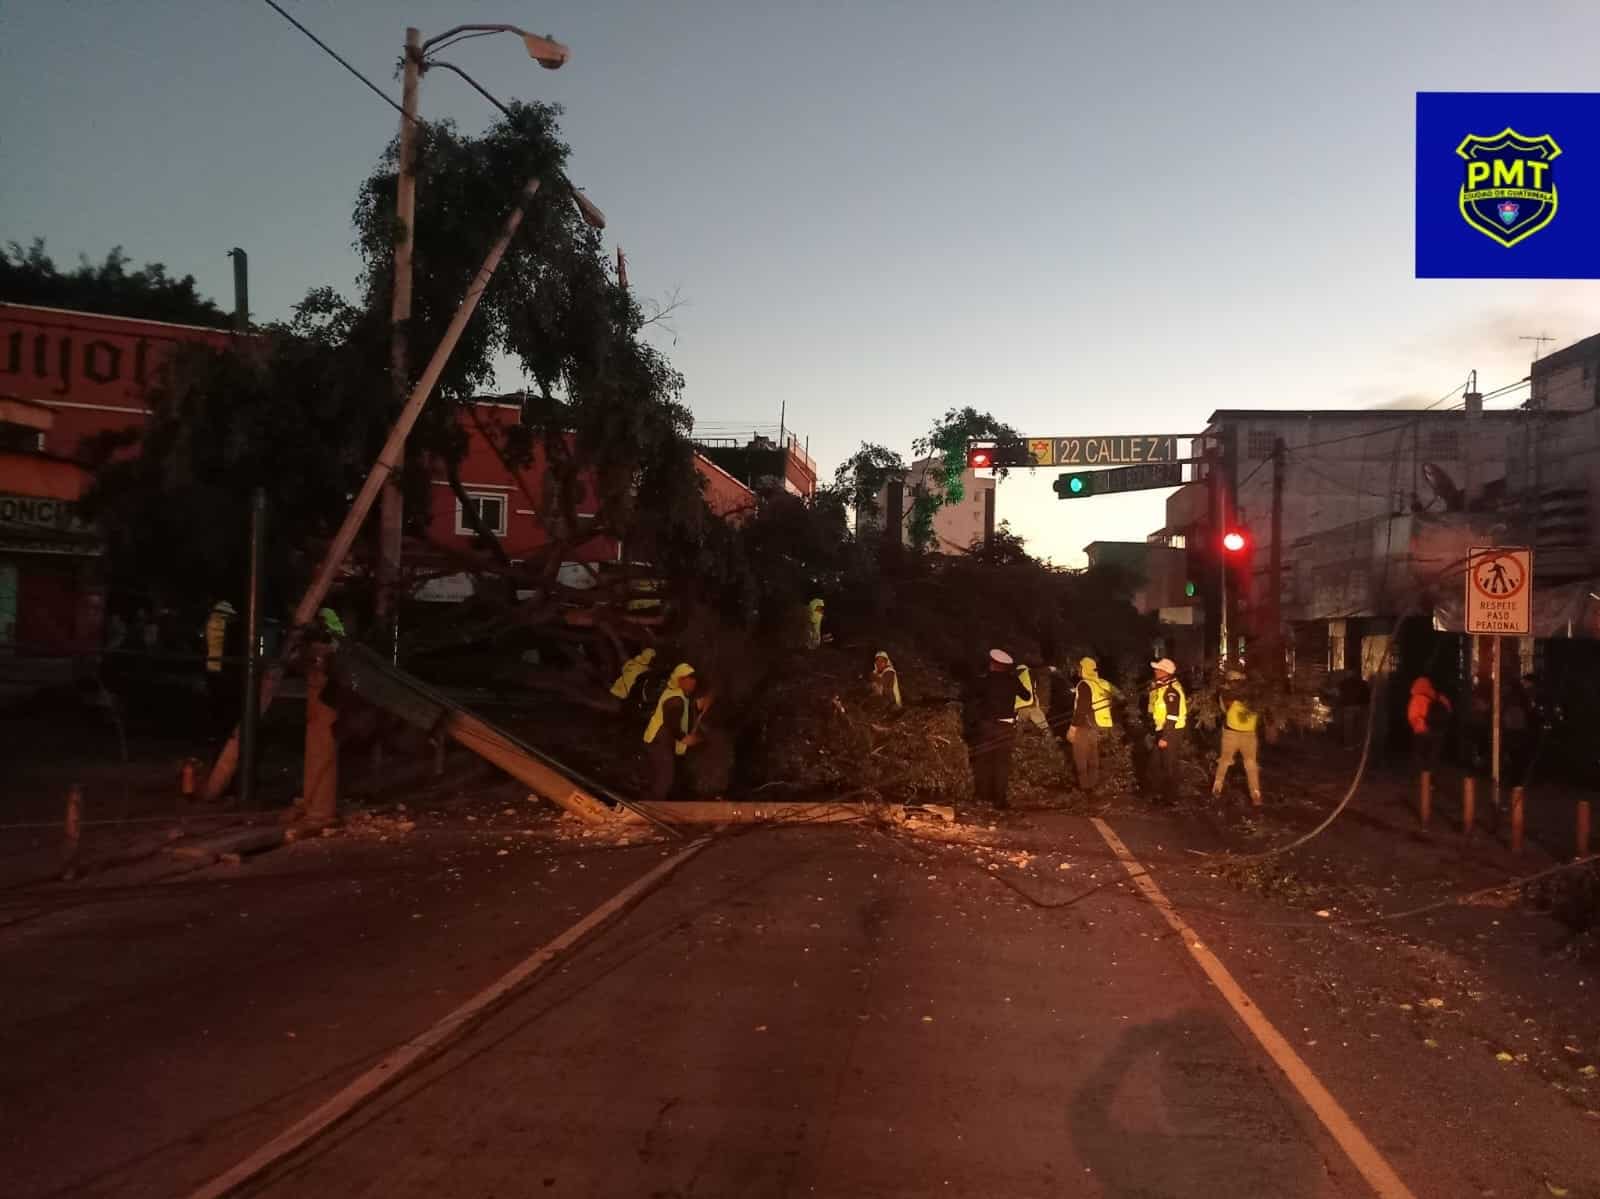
<point>1538,344</point>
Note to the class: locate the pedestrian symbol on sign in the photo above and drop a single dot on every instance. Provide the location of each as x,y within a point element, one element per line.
<point>1499,575</point>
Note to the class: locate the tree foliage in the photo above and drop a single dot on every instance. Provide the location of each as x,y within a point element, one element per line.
<point>28,275</point>
<point>303,411</point>
<point>945,445</point>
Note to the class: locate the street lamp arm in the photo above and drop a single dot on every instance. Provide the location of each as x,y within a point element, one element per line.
<point>587,208</point>
<point>450,33</point>
<point>471,82</point>
<point>546,51</point>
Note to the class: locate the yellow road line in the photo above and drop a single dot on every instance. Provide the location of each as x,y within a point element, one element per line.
<point>1380,1175</point>
<point>449,1029</point>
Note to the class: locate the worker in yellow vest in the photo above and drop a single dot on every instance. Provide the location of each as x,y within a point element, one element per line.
<point>1029,710</point>
<point>1239,738</point>
<point>217,624</point>
<point>631,670</point>
<point>885,679</point>
<point>1169,714</point>
<point>814,637</point>
<point>670,733</point>
<point>1091,716</point>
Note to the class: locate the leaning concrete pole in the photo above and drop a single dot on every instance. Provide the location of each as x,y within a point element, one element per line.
<point>389,461</point>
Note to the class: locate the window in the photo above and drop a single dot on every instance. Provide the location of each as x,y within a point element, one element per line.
<point>1444,443</point>
<point>1261,443</point>
<point>491,509</point>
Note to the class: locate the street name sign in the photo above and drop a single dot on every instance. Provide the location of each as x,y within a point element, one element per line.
<point>1139,478</point>
<point>1500,590</point>
<point>1130,449</point>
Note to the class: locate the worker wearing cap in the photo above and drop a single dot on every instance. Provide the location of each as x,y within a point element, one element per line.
<point>814,612</point>
<point>1091,716</point>
<point>995,729</point>
<point>1029,709</point>
<point>1169,713</point>
<point>885,679</point>
<point>1239,737</point>
<point>670,733</point>
<point>631,670</point>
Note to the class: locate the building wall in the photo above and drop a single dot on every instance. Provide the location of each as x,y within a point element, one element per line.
<point>724,495</point>
<point>956,527</point>
<point>93,370</point>
<point>516,495</point>
<point>1345,474</point>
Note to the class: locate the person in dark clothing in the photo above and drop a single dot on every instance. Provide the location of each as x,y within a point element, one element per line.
<point>1354,695</point>
<point>995,729</point>
<point>1169,716</point>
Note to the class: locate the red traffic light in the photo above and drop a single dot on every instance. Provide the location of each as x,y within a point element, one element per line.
<point>980,458</point>
<point>1233,541</point>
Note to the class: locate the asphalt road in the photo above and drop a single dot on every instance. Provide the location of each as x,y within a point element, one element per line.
<point>808,1011</point>
<point>824,1011</point>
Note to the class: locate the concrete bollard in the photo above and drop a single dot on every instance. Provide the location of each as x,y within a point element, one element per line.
<point>72,830</point>
<point>1469,803</point>
<point>1518,796</point>
<point>1425,797</point>
<point>1583,828</point>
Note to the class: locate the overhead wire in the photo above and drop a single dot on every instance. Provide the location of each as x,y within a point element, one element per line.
<point>337,57</point>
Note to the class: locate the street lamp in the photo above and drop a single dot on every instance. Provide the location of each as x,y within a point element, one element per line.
<point>551,55</point>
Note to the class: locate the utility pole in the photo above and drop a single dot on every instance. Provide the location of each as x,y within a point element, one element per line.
<point>251,709</point>
<point>1275,560</point>
<point>1219,529</point>
<point>241,290</point>
<point>391,511</point>
<point>389,461</point>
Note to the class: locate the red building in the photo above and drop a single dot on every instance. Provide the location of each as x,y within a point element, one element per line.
<point>64,377</point>
<point>68,376</point>
<point>509,500</point>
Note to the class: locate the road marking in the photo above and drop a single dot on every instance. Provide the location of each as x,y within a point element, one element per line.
<point>450,1028</point>
<point>1380,1175</point>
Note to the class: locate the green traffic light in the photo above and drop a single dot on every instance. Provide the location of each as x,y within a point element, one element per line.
<point>1075,484</point>
<point>1188,590</point>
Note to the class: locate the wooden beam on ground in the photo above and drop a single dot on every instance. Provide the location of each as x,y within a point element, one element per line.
<point>483,739</point>
<point>718,811</point>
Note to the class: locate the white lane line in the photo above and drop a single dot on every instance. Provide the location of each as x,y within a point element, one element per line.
<point>450,1028</point>
<point>1380,1175</point>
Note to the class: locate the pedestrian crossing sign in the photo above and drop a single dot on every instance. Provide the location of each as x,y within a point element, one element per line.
<point>1500,590</point>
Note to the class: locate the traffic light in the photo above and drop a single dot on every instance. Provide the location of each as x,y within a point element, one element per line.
<point>1074,486</point>
<point>1235,542</point>
<point>1007,453</point>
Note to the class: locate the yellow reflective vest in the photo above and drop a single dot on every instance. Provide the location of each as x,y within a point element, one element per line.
<point>660,717</point>
<point>1241,717</point>
<point>216,639</point>
<point>1158,705</point>
<point>1101,691</point>
<point>631,670</point>
<point>1033,696</point>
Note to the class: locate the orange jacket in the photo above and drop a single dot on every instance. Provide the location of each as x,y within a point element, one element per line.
<point>1423,697</point>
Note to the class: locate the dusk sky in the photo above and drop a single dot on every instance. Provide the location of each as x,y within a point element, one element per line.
<point>1085,218</point>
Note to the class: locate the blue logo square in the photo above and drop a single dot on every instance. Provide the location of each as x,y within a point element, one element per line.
<point>1508,185</point>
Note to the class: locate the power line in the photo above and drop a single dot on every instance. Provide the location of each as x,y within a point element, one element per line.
<point>337,57</point>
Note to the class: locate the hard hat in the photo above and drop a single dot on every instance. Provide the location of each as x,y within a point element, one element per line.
<point>1000,656</point>
<point>1165,666</point>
